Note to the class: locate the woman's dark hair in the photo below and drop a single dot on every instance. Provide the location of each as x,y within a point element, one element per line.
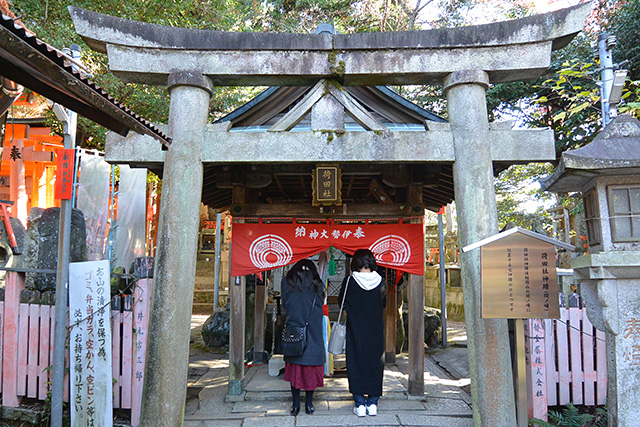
<point>304,272</point>
<point>363,258</point>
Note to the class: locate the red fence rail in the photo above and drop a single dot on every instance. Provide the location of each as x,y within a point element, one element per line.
<point>566,362</point>
<point>27,337</point>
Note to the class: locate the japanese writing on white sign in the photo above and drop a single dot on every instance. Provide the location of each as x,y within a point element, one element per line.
<point>90,342</point>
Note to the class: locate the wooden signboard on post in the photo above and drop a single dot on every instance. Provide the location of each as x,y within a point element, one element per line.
<point>327,185</point>
<point>64,177</point>
<point>519,281</point>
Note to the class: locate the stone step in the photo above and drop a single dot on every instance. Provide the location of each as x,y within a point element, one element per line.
<point>203,295</point>
<point>259,396</point>
<point>205,265</point>
<point>202,308</point>
<point>205,281</point>
<point>327,418</point>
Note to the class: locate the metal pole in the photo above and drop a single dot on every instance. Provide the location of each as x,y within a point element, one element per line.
<point>606,76</point>
<point>62,279</point>
<point>521,375</point>
<point>443,282</point>
<point>76,168</point>
<point>216,274</point>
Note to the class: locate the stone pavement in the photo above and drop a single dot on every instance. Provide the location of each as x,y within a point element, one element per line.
<point>446,401</point>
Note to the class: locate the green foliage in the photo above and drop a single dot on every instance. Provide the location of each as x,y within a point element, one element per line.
<point>515,188</point>
<point>51,22</point>
<point>570,416</point>
<point>430,97</point>
<point>567,100</point>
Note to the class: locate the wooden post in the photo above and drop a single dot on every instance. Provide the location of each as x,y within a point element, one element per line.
<point>14,285</point>
<point>237,301</point>
<point>17,183</point>
<point>416,335</point>
<point>141,314</point>
<point>536,364</point>
<point>391,318</point>
<point>521,375</point>
<point>416,313</point>
<point>259,321</point>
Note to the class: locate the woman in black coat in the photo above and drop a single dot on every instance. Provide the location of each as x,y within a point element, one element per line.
<point>364,302</point>
<point>302,296</point>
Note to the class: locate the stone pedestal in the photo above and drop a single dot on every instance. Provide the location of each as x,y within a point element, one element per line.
<point>611,288</point>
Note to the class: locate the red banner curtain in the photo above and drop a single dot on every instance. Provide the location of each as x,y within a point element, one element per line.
<point>262,247</point>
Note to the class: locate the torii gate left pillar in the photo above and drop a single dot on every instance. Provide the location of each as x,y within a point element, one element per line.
<point>177,243</point>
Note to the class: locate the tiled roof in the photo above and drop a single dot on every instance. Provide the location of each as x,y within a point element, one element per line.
<point>40,67</point>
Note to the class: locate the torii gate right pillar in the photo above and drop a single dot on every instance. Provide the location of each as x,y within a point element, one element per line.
<point>488,339</point>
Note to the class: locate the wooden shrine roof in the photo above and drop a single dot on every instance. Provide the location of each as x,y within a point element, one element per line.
<point>377,184</point>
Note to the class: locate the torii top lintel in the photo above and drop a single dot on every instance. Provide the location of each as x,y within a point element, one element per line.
<point>508,51</point>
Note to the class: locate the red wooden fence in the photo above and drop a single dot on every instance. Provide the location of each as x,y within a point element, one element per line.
<point>566,362</point>
<point>27,337</point>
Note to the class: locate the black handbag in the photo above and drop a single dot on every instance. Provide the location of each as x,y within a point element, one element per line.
<point>293,341</point>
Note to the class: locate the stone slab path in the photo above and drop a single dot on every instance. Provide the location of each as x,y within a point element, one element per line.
<point>446,401</point>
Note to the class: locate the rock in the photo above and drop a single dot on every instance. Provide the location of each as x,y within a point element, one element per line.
<point>215,331</point>
<point>7,259</point>
<point>432,324</point>
<point>41,245</point>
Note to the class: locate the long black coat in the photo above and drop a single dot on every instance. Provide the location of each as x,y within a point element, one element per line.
<point>297,304</point>
<point>365,337</point>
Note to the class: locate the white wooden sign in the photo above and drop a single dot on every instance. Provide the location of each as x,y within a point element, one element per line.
<point>90,344</point>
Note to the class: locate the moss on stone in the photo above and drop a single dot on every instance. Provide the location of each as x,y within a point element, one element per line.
<point>337,67</point>
<point>328,134</point>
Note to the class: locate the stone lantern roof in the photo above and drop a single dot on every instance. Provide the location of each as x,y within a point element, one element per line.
<point>615,151</point>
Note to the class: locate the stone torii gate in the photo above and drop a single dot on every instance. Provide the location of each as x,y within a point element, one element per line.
<point>465,61</point>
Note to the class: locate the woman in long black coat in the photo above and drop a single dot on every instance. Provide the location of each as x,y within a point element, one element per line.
<point>364,302</point>
<point>302,296</point>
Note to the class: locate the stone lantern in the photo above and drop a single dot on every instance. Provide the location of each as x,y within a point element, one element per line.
<point>607,173</point>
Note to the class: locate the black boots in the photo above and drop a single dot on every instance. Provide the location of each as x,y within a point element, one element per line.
<point>308,404</point>
<point>295,408</point>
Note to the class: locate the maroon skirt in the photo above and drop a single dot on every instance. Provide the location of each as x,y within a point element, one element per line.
<point>304,377</point>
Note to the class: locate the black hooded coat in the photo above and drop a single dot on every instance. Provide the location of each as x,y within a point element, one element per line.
<point>365,337</point>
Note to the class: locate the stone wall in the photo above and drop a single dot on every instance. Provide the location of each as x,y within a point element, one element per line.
<point>455,302</point>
